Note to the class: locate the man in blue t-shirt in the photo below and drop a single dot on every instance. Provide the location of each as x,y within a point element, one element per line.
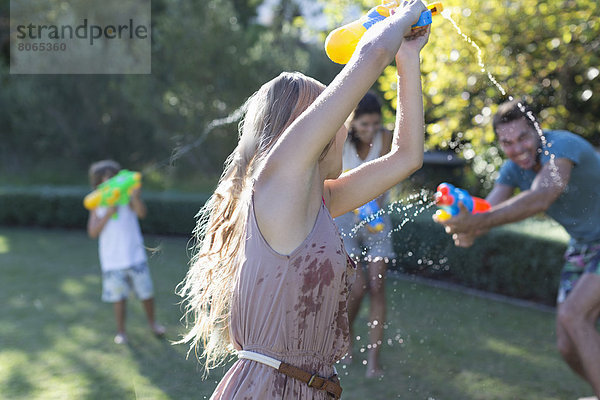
<point>557,173</point>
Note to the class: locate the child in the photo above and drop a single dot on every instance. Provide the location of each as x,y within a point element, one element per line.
<point>270,276</point>
<point>122,254</point>
<point>367,141</point>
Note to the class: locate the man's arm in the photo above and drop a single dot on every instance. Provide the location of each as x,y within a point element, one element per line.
<point>499,193</point>
<point>547,186</point>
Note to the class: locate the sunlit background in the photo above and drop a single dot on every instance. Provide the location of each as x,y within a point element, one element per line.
<point>178,124</point>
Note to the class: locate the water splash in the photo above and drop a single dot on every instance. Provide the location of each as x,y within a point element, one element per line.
<point>422,198</point>
<point>554,169</point>
<point>180,151</point>
<point>407,209</point>
<point>554,175</point>
<point>424,201</point>
<point>446,14</point>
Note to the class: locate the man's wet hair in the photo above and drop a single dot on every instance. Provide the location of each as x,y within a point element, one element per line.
<point>511,111</point>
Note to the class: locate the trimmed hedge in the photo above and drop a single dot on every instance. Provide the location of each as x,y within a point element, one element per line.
<point>520,260</point>
<point>62,207</point>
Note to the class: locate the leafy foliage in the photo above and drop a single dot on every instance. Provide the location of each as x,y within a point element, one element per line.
<point>207,58</point>
<point>546,52</point>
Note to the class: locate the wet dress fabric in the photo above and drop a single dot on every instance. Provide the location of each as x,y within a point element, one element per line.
<point>291,308</point>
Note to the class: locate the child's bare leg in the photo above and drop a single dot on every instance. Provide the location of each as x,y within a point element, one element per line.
<point>120,314</point>
<point>357,293</point>
<point>377,271</point>
<point>158,329</point>
<point>149,309</point>
<point>120,308</point>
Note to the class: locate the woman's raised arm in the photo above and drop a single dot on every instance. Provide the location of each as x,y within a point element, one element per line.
<point>368,181</point>
<point>317,126</point>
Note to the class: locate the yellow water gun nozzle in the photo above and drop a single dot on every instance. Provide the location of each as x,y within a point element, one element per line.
<point>436,8</point>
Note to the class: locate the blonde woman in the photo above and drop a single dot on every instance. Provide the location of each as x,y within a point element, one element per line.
<point>270,276</point>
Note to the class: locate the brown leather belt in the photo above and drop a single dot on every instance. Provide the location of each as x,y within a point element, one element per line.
<point>331,385</point>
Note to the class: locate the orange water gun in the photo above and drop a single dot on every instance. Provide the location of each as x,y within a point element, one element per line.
<point>447,198</point>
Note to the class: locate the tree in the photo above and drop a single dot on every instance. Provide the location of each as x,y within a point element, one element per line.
<point>547,52</point>
<point>207,58</point>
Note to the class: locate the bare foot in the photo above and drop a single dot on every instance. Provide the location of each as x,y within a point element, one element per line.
<point>376,372</point>
<point>158,330</point>
<point>374,369</point>
<point>120,338</point>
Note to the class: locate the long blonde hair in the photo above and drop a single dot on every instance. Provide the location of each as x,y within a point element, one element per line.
<point>221,224</point>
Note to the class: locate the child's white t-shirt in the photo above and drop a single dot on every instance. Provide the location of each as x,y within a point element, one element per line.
<point>121,244</point>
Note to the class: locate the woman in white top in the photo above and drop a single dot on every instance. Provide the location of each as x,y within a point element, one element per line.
<point>367,141</point>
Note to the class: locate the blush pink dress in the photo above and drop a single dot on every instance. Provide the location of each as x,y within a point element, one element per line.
<point>291,308</point>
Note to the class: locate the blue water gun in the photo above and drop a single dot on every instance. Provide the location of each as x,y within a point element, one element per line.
<point>369,213</point>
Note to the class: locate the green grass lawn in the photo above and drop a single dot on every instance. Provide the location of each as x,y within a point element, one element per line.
<point>56,335</point>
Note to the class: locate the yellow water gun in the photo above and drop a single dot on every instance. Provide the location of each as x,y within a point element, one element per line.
<point>341,43</point>
<point>114,191</point>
